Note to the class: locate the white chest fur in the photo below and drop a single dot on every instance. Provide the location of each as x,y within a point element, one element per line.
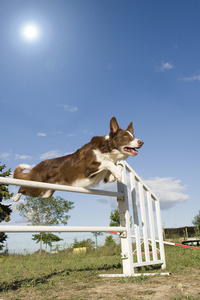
<point>86,182</point>
<point>113,156</point>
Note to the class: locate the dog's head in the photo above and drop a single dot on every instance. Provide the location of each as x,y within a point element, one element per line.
<point>124,140</point>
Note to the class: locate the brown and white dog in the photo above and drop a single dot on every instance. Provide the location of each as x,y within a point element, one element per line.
<point>89,165</point>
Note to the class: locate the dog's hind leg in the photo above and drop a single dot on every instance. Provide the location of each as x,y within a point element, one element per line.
<point>47,194</point>
<point>16,197</point>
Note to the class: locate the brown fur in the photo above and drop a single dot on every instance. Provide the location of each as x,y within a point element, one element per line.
<point>82,162</point>
<point>79,165</point>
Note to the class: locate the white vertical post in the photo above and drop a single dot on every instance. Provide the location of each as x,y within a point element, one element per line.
<point>151,224</point>
<point>144,221</point>
<point>135,217</point>
<point>126,241</point>
<point>160,233</point>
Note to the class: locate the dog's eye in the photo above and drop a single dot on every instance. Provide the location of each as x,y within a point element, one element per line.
<point>129,136</point>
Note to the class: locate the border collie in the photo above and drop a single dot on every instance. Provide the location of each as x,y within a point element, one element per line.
<point>89,165</point>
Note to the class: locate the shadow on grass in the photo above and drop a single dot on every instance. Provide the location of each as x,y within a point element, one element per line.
<point>15,285</point>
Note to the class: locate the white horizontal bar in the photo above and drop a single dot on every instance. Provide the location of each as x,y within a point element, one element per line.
<point>58,187</point>
<point>20,228</point>
<point>147,263</point>
<point>134,275</point>
<point>149,239</point>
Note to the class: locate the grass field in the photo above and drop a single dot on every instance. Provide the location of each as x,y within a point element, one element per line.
<point>67,276</point>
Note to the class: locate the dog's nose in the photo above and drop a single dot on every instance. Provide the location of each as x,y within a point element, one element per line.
<point>140,143</point>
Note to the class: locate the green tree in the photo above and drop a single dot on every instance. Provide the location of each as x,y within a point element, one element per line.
<point>5,210</point>
<point>196,222</point>
<point>84,243</point>
<point>96,234</point>
<point>115,220</point>
<point>114,217</point>
<point>109,241</point>
<point>47,238</point>
<point>51,211</point>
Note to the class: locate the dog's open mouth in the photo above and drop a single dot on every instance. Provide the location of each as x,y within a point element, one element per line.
<point>130,151</point>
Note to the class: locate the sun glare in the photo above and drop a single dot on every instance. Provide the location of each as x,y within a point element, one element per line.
<point>30,32</point>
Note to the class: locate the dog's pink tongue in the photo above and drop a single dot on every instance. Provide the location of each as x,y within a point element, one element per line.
<point>134,152</point>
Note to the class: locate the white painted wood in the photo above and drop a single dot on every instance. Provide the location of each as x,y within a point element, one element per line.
<point>58,187</point>
<point>138,179</point>
<point>149,263</point>
<point>126,242</point>
<point>151,225</point>
<point>135,217</point>
<point>134,275</point>
<point>143,188</point>
<point>144,221</point>
<point>160,233</point>
<point>139,214</point>
<point>13,228</point>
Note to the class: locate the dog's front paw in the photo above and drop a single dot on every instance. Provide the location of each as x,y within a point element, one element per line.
<point>111,178</point>
<point>118,177</point>
<point>118,173</point>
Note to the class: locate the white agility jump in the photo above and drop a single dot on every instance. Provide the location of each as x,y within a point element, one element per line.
<point>145,212</point>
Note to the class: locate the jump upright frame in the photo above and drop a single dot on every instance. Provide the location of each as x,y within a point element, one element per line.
<point>137,205</point>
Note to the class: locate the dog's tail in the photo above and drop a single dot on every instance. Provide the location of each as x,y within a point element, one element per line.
<point>18,173</point>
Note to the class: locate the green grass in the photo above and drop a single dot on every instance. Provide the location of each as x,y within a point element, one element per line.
<point>20,270</point>
<point>52,274</point>
<point>34,267</point>
<point>179,259</point>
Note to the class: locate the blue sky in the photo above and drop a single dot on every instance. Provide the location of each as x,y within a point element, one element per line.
<point>136,60</point>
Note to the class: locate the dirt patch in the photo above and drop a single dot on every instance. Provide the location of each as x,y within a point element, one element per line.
<point>156,288</point>
<point>93,287</point>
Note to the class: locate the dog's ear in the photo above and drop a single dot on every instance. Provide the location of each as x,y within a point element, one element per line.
<point>130,128</point>
<point>114,126</point>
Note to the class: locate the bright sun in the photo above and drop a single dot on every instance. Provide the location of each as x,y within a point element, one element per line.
<point>31,32</point>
